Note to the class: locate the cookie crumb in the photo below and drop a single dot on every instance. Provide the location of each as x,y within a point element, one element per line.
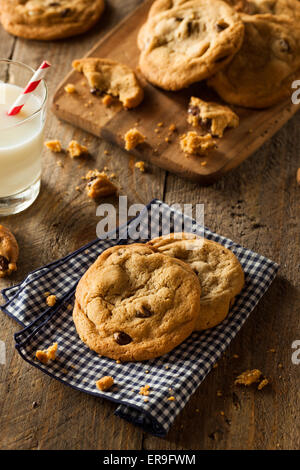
<point>262,384</point>
<point>172,128</point>
<point>219,393</point>
<point>99,184</point>
<point>53,145</point>
<point>47,355</point>
<point>248,377</point>
<point>145,390</point>
<point>194,144</point>
<point>51,300</point>
<point>60,164</point>
<point>105,383</point>
<point>75,149</point>
<point>118,361</point>
<point>235,356</point>
<point>140,166</point>
<point>171,398</point>
<point>70,88</point>
<point>107,100</point>
<point>298,177</point>
<point>132,138</point>
<point>160,124</point>
<point>106,152</point>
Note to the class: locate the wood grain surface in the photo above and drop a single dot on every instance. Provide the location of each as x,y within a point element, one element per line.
<point>158,106</point>
<point>256,205</point>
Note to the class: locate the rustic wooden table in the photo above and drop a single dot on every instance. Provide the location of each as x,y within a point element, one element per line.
<point>256,205</point>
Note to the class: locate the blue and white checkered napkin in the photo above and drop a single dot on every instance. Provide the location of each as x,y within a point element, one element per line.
<point>177,374</point>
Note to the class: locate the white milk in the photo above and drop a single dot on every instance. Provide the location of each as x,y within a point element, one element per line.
<point>21,143</point>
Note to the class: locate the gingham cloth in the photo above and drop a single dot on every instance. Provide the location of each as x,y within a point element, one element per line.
<point>177,374</point>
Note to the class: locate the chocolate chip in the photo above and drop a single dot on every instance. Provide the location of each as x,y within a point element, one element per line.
<point>90,180</point>
<point>144,313</point>
<point>54,4</point>
<point>65,12</point>
<point>95,91</point>
<point>178,19</point>
<point>122,338</point>
<point>3,263</point>
<point>221,26</point>
<point>193,110</point>
<point>284,45</point>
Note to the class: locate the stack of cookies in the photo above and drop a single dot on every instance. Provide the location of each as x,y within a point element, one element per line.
<point>138,302</point>
<point>248,50</point>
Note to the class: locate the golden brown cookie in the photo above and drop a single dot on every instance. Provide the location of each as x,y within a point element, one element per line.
<point>213,116</point>
<point>261,73</point>
<point>189,42</point>
<point>135,304</point>
<point>219,272</point>
<point>108,76</point>
<point>9,252</point>
<point>46,19</point>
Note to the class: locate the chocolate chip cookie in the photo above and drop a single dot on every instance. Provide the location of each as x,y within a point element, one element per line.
<point>261,73</point>
<point>188,42</point>
<point>219,272</point>
<point>290,8</point>
<point>9,252</point>
<point>48,19</point>
<point>108,76</point>
<point>135,304</point>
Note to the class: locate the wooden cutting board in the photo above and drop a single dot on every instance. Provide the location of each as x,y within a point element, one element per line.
<point>89,113</point>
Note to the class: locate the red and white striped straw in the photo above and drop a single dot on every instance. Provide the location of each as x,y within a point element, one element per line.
<point>31,86</point>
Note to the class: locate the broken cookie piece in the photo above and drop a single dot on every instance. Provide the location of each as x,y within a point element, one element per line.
<point>132,138</point>
<point>99,185</point>
<point>75,149</point>
<point>51,300</point>
<point>54,145</point>
<point>105,383</point>
<point>212,116</point>
<point>9,252</point>
<point>112,78</point>
<point>48,354</point>
<point>195,144</point>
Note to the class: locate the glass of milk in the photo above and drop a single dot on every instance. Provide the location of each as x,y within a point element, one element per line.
<point>21,138</point>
